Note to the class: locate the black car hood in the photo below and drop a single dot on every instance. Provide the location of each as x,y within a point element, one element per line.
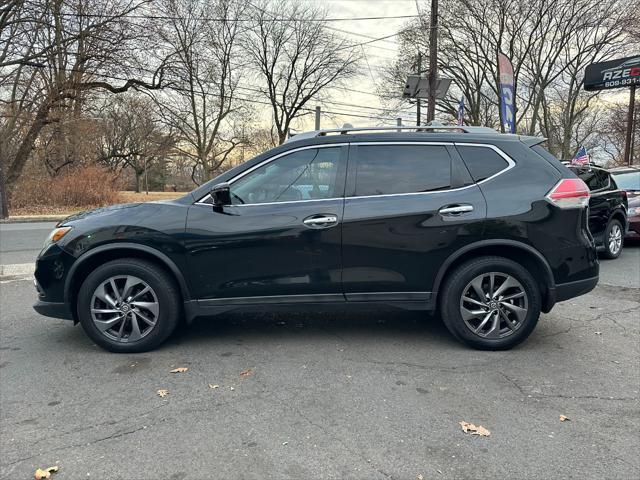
<point>96,212</point>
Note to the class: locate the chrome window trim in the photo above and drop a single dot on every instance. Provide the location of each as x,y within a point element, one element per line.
<point>507,158</point>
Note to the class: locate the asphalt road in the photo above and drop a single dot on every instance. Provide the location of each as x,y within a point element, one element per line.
<point>21,242</point>
<point>368,396</point>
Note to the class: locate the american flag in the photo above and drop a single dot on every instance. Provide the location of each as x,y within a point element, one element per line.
<point>581,158</point>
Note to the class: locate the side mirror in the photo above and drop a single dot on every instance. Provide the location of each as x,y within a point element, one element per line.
<point>221,195</point>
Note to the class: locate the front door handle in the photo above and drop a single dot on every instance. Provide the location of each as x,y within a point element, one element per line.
<point>453,210</point>
<point>321,221</point>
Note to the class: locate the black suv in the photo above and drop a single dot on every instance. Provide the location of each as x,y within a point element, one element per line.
<point>489,229</point>
<point>607,209</point>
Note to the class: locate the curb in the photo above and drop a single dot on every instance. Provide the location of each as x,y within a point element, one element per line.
<point>34,218</point>
<point>17,269</point>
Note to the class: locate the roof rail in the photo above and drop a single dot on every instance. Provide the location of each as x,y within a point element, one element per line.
<point>423,128</point>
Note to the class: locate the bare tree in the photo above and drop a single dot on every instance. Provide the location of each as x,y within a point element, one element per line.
<point>201,105</point>
<point>550,42</point>
<point>297,57</point>
<point>61,53</point>
<point>132,138</point>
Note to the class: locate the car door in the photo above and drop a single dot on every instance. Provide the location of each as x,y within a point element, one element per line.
<point>408,206</point>
<point>279,240</point>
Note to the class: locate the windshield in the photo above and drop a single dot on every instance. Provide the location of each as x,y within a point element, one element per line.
<point>627,180</point>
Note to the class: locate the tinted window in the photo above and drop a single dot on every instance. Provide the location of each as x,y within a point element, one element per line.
<point>302,175</point>
<point>482,162</point>
<point>385,169</point>
<point>595,179</point>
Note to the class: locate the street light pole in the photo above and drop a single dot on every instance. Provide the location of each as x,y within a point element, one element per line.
<point>418,112</point>
<point>433,61</point>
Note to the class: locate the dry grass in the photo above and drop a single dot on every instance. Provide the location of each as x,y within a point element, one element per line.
<point>119,197</point>
<point>132,197</point>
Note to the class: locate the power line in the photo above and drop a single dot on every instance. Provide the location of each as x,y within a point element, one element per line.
<point>232,20</point>
<point>253,100</point>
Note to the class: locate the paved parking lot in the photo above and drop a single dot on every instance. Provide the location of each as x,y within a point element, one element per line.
<point>368,396</point>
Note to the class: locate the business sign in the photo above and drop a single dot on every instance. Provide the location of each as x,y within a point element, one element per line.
<point>507,97</point>
<point>623,72</point>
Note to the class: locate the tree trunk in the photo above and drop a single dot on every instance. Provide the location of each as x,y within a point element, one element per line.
<point>138,175</point>
<point>22,155</point>
<point>4,207</point>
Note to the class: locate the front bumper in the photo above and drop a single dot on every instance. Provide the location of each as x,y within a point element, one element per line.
<point>53,309</point>
<point>565,291</point>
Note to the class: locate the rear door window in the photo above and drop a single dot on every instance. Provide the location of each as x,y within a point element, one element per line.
<point>482,162</point>
<point>394,169</point>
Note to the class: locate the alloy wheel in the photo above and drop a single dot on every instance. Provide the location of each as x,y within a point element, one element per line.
<point>615,239</point>
<point>494,305</point>
<point>124,308</point>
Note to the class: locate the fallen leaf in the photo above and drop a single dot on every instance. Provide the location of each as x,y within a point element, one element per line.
<point>246,372</point>
<point>474,430</point>
<point>564,418</point>
<point>211,385</point>
<point>162,393</point>
<point>46,473</point>
<point>179,370</point>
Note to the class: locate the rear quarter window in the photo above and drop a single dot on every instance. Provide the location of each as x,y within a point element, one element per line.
<point>482,162</point>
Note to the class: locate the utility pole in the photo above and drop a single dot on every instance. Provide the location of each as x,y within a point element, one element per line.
<point>628,154</point>
<point>433,61</point>
<point>318,111</point>
<point>399,123</point>
<point>418,98</point>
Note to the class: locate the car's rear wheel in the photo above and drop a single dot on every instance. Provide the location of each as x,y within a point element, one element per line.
<point>613,236</point>
<point>128,305</point>
<point>490,303</point>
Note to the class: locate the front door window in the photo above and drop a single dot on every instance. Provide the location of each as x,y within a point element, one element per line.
<point>309,174</point>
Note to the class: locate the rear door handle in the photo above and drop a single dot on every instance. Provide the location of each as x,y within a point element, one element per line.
<point>321,221</point>
<point>453,210</point>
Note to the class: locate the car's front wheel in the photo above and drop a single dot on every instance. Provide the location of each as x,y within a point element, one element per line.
<point>128,305</point>
<point>490,303</point>
<point>613,236</point>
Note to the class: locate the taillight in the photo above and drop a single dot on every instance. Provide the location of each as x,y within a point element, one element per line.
<point>569,193</point>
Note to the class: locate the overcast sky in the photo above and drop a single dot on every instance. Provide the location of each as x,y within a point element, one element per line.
<point>376,55</point>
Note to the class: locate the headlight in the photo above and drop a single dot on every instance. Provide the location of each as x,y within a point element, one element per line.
<point>57,234</point>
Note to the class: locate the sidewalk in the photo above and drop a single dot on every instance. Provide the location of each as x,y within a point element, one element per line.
<point>17,269</point>
<point>35,218</point>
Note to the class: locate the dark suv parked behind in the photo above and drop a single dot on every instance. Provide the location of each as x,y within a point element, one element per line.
<point>487,228</point>
<point>607,209</point>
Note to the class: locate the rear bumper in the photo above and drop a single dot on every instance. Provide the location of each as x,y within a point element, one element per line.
<point>565,291</point>
<point>53,309</point>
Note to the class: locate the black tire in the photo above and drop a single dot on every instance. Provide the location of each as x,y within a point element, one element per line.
<point>457,283</point>
<point>612,227</point>
<point>166,295</point>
